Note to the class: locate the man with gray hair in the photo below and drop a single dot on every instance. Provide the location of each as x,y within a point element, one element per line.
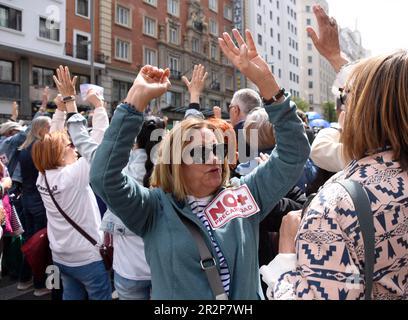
<point>241,105</point>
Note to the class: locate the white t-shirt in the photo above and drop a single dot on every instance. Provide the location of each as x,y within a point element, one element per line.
<point>129,259</point>
<point>70,186</point>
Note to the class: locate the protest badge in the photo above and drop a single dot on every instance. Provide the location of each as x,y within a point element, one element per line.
<point>86,87</point>
<point>230,204</point>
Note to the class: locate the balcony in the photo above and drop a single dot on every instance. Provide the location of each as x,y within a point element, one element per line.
<point>82,52</point>
<point>216,86</point>
<point>175,75</point>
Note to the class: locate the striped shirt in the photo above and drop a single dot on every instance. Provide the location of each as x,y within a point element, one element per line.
<point>198,206</point>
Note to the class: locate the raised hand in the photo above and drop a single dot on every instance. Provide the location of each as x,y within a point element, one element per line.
<point>217,112</point>
<point>197,83</point>
<point>94,98</point>
<point>14,111</point>
<point>64,83</point>
<point>150,83</point>
<point>249,62</point>
<point>327,42</point>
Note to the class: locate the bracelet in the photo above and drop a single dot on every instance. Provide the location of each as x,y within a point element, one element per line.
<point>68,99</point>
<point>275,98</point>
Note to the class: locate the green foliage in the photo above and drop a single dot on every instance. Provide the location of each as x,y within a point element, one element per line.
<point>301,104</point>
<point>329,111</point>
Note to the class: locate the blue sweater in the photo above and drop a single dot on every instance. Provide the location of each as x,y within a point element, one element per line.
<point>153,214</point>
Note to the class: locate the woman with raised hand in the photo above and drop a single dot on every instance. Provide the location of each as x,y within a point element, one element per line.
<point>191,187</point>
<point>80,264</point>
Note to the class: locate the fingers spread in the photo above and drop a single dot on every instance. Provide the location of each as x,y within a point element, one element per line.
<point>313,35</point>
<point>238,37</point>
<point>230,44</point>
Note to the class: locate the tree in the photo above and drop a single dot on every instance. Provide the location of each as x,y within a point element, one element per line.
<point>329,111</point>
<point>301,104</point>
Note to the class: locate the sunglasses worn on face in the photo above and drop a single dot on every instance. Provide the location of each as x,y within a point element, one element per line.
<point>201,154</point>
<point>71,145</point>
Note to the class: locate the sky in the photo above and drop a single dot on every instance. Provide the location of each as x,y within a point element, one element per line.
<point>383,23</point>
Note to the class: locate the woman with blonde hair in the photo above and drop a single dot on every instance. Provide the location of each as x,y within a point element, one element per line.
<point>323,254</point>
<point>192,188</point>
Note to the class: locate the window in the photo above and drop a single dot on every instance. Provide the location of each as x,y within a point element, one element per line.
<point>123,16</point>
<point>174,64</point>
<point>81,51</point>
<point>228,82</point>
<point>195,45</point>
<point>151,2</point>
<point>150,57</point>
<point>309,47</point>
<point>228,12</point>
<point>310,85</point>
<point>272,50</point>
<point>213,52</point>
<point>49,29</point>
<point>259,19</point>
<point>43,77</point>
<point>279,54</point>
<point>82,8</point>
<point>271,32</point>
<point>280,73</point>
<point>213,5</point>
<point>310,59</point>
<point>149,27</point>
<point>278,37</point>
<point>311,100</point>
<point>10,18</point>
<point>259,39</point>
<point>213,27</point>
<point>123,50</point>
<point>307,8</point>
<point>173,7</point>
<point>310,72</point>
<point>174,35</point>
<point>6,70</point>
<point>173,99</point>
<point>308,22</point>
<point>278,21</point>
<point>82,79</point>
<point>120,90</point>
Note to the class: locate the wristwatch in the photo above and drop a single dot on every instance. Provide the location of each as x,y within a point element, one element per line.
<point>68,99</point>
<point>275,98</point>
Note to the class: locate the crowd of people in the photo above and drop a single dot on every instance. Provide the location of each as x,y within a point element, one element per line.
<point>239,209</point>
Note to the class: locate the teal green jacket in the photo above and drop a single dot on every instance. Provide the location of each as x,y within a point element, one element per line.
<point>153,214</point>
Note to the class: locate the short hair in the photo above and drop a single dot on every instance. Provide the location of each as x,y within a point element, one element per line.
<point>258,119</point>
<point>48,153</point>
<point>377,108</point>
<point>247,100</point>
<point>167,174</point>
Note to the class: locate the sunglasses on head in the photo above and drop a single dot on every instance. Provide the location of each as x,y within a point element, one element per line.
<point>201,154</point>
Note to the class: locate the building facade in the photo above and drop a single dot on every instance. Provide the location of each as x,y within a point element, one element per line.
<point>351,44</point>
<point>172,33</point>
<point>274,24</point>
<point>35,38</point>
<point>316,75</point>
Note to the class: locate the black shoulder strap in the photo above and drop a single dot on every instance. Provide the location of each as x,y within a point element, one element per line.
<point>208,262</point>
<point>71,222</point>
<point>362,206</point>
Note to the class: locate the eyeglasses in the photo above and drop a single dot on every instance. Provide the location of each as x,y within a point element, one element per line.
<point>201,154</point>
<point>343,95</point>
